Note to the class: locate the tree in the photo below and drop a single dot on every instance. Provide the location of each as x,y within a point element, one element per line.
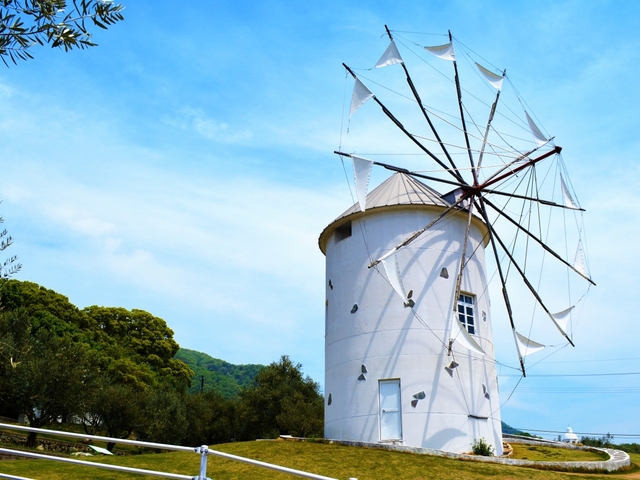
<point>47,376</point>
<point>606,441</point>
<point>25,23</point>
<point>116,409</point>
<point>211,418</point>
<point>166,416</point>
<point>9,266</point>
<point>110,367</point>
<point>282,401</point>
<point>147,339</point>
<point>41,303</point>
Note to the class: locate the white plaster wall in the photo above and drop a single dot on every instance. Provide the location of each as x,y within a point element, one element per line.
<point>393,342</point>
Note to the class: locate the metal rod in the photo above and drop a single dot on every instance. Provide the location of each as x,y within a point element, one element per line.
<point>422,230</point>
<point>533,199</point>
<point>483,210</point>
<point>13,477</point>
<point>426,116</point>
<point>464,125</point>
<point>486,132</point>
<point>163,446</point>
<point>463,185</point>
<point>533,290</point>
<point>203,450</point>
<point>404,170</point>
<point>456,296</point>
<point>530,287</point>
<point>278,468</point>
<point>530,163</point>
<point>540,242</point>
<point>388,113</point>
<point>507,166</point>
<point>84,463</point>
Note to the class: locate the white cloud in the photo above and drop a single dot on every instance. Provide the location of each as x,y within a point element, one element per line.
<point>77,220</point>
<point>195,119</point>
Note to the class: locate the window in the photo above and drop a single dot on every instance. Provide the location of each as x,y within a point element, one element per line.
<point>465,312</point>
<point>343,231</point>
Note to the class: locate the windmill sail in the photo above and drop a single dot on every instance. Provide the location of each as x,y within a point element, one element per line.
<point>526,346</point>
<point>579,263</point>
<point>537,134</point>
<point>568,199</point>
<point>360,95</point>
<point>495,80</point>
<point>361,175</point>
<point>392,270</point>
<point>561,319</point>
<point>444,52</point>
<point>461,336</point>
<point>391,56</point>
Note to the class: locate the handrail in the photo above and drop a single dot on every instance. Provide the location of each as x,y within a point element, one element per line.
<point>13,477</point>
<point>59,433</point>
<point>269,465</point>
<point>203,450</point>
<point>117,468</point>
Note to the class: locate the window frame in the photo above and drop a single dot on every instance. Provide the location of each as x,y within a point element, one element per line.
<point>467,316</point>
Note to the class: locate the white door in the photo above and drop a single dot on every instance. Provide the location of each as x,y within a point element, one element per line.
<point>390,411</point>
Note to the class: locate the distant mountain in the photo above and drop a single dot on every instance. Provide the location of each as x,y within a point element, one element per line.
<point>221,376</point>
<point>509,430</point>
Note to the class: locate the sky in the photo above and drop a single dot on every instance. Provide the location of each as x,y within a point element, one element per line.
<point>185,167</point>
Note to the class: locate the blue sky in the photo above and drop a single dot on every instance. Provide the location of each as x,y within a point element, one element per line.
<point>185,167</point>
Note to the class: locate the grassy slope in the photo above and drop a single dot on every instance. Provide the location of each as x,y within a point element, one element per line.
<point>330,460</point>
<point>551,454</point>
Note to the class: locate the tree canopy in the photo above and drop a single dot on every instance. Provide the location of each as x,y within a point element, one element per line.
<point>58,23</point>
<point>144,337</point>
<point>117,372</point>
<point>10,265</point>
<point>283,402</point>
<point>58,361</point>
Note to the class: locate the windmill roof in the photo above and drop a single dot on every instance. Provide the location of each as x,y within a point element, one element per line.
<point>398,190</point>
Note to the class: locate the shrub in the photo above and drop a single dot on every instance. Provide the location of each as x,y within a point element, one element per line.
<point>481,447</point>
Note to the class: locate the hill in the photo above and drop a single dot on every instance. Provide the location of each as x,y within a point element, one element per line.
<point>509,430</point>
<point>221,376</point>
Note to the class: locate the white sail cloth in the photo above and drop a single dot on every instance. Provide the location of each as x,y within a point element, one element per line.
<point>444,52</point>
<point>526,346</point>
<point>579,262</point>
<point>360,95</point>
<point>568,199</point>
<point>535,131</point>
<point>361,175</point>
<point>462,337</point>
<point>391,56</point>
<point>392,269</point>
<point>494,80</point>
<point>561,319</point>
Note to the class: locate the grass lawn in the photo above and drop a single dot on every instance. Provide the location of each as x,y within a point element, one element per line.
<point>331,460</point>
<point>554,454</point>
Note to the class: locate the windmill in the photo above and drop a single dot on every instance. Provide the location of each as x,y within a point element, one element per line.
<point>409,349</point>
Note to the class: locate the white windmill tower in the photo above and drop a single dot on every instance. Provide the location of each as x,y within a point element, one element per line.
<point>409,353</point>
<point>389,376</point>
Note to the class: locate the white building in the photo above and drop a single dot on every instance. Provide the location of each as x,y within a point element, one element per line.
<point>389,375</point>
<point>569,436</point>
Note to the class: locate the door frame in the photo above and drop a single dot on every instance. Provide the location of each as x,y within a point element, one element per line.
<point>380,412</point>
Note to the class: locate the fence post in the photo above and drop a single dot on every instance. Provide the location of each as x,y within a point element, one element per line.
<point>203,450</point>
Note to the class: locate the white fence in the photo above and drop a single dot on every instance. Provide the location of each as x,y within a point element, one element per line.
<point>203,451</point>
